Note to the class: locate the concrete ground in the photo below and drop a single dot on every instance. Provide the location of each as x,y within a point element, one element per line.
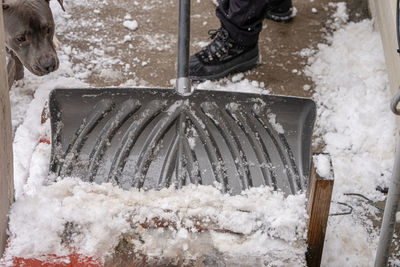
<point>149,57</point>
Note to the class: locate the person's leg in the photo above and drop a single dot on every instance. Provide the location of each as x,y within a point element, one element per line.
<point>242,19</point>
<point>234,47</point>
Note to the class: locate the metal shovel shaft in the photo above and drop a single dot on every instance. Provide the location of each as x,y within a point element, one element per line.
<point>392,203</point>
<point>389,217</point>
<point>182,82</point>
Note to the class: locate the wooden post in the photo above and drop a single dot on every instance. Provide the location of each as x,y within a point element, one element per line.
<point>6,157</point>
<point>319,193</point>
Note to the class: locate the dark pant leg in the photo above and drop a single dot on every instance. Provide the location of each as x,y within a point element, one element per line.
<point>242,19</point>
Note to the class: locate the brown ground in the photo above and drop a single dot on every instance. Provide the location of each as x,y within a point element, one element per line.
<point>154,41</point>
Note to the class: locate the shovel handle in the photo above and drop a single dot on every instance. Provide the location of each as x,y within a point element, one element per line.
<point>183,82</point>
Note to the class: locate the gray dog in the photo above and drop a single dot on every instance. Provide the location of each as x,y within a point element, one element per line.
<point>29,31</point>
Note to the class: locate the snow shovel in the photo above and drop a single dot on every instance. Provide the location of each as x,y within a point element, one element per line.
<point>152,138</point>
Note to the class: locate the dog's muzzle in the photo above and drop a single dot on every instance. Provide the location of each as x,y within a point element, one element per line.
<point>48,64</point>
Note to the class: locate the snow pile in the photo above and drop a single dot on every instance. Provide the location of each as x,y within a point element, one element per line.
<point>260,223</point>
<point>31,157</point>
<point>355,123</point>
<point>354,118</point>
<point>236,84</point>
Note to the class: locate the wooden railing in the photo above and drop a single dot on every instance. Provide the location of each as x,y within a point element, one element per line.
<point>6,158</point>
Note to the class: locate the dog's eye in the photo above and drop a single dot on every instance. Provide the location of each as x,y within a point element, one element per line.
<point>21,38</point>
<point>49,30</point>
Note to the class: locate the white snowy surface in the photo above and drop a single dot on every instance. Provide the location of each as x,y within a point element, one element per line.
<point>264,223</point>
<point>322,163</point>
<point>358,128</point>
<point>354,121</point>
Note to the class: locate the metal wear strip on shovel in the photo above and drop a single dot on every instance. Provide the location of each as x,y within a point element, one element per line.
<point>158,137</point>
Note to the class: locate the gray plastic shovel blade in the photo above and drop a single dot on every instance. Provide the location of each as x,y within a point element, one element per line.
<point>154,138</point>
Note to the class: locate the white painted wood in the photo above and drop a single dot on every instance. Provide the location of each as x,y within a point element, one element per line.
<point>384,15</point>
<point>6,159</point>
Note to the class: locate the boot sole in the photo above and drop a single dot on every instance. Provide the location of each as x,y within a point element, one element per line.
<point>244,66</point>
<point>280,17</point>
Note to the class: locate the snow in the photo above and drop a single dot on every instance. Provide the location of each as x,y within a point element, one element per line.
<point>322,163</point>
<point>276,125</point>
<point>92,217</point>
<point>127,38</point>
<point>237,84</point>
<point>354,123</point>
<point>29,133</point>
<point>354,119</point>
<point>130,24</point>
<point>340,17</point>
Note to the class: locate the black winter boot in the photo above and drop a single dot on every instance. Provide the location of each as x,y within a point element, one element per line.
<point>222,57</point>
<point>279,11</point>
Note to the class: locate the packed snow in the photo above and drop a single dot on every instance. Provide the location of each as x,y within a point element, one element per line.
<point>323,166</point>
<point>259,222</point>
<point>358,128</point>
<point>260,226</point>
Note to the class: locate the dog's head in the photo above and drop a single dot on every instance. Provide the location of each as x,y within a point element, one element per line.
<point>29,31</point>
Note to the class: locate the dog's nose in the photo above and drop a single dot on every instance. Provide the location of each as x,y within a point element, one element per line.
<point>48,64</point>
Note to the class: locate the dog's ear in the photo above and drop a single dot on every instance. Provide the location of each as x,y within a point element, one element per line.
<point>61,4</point>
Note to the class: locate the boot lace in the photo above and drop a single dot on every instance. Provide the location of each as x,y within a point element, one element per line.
<point>218,47</point>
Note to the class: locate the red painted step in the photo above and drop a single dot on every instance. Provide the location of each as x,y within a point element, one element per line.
<point>72,260</point>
